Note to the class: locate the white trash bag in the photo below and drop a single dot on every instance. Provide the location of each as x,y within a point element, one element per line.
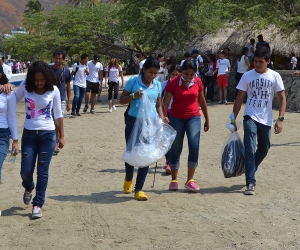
<point>150,137</point>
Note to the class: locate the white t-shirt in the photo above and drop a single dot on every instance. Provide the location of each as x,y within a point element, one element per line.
<point>8,116</point>
<point>199,60</point>
<point>94,71</point>
<point>260,89</point>
<point>113,74</point>
<point>7,71</point>
<point>142,63</point>
<point>163,86</point>
<point>38,108</point>
<point>223,65</point>
<point>294,62</point>
<point>250,51</point>
<point>80,76</point>
<point>242,66</point>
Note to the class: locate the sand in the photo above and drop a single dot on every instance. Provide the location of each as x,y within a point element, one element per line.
<point>86,208</point>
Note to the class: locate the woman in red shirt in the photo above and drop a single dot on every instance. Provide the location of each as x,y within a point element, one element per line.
<point>187,91</point>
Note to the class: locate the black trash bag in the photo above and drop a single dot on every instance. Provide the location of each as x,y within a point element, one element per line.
<point>232,161</point>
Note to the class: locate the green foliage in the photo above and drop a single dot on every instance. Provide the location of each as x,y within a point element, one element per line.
<point>32,7</point>
<point>169,24</point>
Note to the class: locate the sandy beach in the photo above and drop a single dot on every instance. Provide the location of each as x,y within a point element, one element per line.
<point>86,208</point>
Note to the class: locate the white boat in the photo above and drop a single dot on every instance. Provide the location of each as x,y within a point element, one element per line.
<point>16,79</point>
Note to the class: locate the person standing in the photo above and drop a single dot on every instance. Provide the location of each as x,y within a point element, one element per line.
<point>187,92</point>
<point>93,82</point>
<point>79,71</point>
<point>293,61</point>
<point>142,59</point>
<point>243,65</point>
<point>6,68</point>
<point>260,83</point>
<point>199,61</point>
<point>39,138</point>
<point>223,69</point>
<point>63,83</point>
<point>114,71</point>
<point>210,78</point>
<point>8,121</point>
<point>251,50</point>
<point>132,92</point>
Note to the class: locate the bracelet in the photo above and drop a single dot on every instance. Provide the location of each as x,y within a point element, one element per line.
<point>132,96</point>
<point>232,121</point>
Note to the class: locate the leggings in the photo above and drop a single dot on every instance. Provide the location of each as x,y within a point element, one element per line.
<point>113,86</point>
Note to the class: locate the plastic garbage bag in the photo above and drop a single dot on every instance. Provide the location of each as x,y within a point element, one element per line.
<point>150,137</point>
<point>232,161</point>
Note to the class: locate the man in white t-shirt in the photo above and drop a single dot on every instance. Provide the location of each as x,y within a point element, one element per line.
<point>223,69</point>
<point>199,61</point>
<point>79,71</point>
<point>260,84</point>
<point>6,69</point>
<point>187,56</point>
<point>93,82</point>
<point>293,61</point>
<point>143,59</point>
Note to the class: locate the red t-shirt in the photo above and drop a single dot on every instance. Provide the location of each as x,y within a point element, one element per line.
<point>185,100</point>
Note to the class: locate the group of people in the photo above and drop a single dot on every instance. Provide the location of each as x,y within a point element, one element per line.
<point>13,67</point>
<point>177,99</point>
<point>47,92</point>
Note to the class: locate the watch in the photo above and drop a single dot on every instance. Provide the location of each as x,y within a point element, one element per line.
<point>280,118</point>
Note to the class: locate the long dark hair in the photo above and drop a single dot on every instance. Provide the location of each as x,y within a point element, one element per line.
<point>150,62</point>
<point>45,69</point>
<point>3,79</point>
<point>244,50</point>
<point>189,64</point>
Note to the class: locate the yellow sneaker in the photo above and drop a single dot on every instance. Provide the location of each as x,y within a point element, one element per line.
<point>127,187</point>
<point>141,196</point>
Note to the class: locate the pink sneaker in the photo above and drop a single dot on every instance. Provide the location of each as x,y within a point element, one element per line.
<point>173,185</point>
<point>191,186</point>
<point>168,168</point>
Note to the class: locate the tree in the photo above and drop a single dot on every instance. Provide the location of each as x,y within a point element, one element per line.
<point>84,2</point>
<point>33,6</point>
<point>155,24</point>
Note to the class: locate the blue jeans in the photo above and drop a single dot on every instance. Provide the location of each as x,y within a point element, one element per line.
<point>254,156</point>
<point>79,93</point>
<point>38,144</point>
<point>142,172</point>
<point>4,145</point>
<point>192,128</point>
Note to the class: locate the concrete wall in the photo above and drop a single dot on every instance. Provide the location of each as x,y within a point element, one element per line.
<point>291,84</point>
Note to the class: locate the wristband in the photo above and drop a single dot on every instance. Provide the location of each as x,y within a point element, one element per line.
<point>132,96</point>
<point>232,121</point>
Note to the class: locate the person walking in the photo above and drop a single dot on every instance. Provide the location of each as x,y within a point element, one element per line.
<point>79,71</point>
<point>114,71</point>
<point>63,83</point>
<point>187,92</point>
<point>260,83</point>
<point>8,122</point>
<point>132,92</point>
<point>93,83</point>
<point>39,138</point>
<point>210,78</point>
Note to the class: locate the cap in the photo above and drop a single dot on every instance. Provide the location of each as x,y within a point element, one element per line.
<point>207,52</point>
<point>222,52</point>
<point>96,57</point>
<point>195,51</point>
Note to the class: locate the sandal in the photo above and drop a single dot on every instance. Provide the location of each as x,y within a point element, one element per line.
<point>141,196</point>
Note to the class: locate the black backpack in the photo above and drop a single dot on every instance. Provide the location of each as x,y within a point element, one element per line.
<point>77,67</point>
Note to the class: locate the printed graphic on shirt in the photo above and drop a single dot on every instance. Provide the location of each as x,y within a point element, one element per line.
<point>30,109</point>
<point>260,93</point>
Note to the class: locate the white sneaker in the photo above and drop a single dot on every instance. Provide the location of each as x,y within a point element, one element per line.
<point>36,212</point>
<point>114,107</point>
<point>109,111</point>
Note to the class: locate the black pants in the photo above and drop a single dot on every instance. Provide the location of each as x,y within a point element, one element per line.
<point>209,85</point>
<point>113,86</point>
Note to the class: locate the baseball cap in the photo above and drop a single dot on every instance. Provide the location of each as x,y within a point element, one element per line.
<point>96,57</point>
<point>207,52</point>
<point>222,52</point>
<point>195,51</point>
